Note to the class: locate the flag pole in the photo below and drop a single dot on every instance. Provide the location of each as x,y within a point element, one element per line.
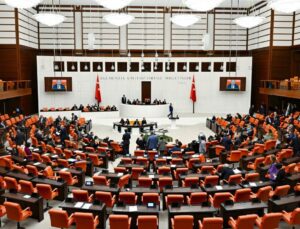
<point>193,107</point>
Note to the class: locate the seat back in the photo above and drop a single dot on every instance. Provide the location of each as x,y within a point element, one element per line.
<point>80,195</point>
<point>100,180</point>
<point>295,217</point>
<point>147,222</point>
<point>198,198</point>
<point>235,155</point>
<point>124,180</point>
<point>208,169</point>
<point>263,193</point>
<point>44,190</point>
<point>270,220</point>
<point>163,170</point>
<point>66,176</point>
<point>179,171</point>
<point>118,221</point>
<point>26,187</point>
<point>242,195</point>
<point>212,180</point>
<point>220,198</point>
<point>11,183</point>
<point>246,221</point>
<point>237,179</point>
<point>174,199</point>
<point>150,198</point>
<point>212,223</point>
<point>59,218</point>
<point>127,197</point>
<point>189,181</point>
<point>84,220</point>
<point>144,181</point>
<point>282,190</point>
<point>135,173</point>
<point>105,197</point>
<point>13,211</point>
<point>48,172</point>
<point>63,162</point>
<point>164,181</point>
<point>81,165</point>
<point>252,177</point>
<point>183,221</point>
<point>258,161</point>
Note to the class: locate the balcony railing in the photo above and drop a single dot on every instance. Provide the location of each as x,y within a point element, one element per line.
<point>12,89</point>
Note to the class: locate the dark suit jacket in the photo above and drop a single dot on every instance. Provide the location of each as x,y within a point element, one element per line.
<point>226,172</point>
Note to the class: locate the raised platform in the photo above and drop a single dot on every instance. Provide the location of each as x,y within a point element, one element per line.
<point>294,94</point>
<point>140,111</point>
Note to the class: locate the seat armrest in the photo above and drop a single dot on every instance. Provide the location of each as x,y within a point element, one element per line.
<point>26,209</point>
<point>55,190</point>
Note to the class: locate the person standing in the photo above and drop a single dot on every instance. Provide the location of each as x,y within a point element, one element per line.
<point>126,142</point>
<point>152,141</point>
<point>171,109</point>
<point>124,100</point>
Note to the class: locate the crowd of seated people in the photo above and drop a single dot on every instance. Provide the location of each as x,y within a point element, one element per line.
<point>206,172</point>
<point>135,122</point>
<point>145,102</point>
<point>87,108</point>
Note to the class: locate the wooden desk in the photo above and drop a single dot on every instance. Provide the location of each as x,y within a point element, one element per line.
<point>186,191</point>
<point>291,160</point>
<point>99,210</point>
<point>114,177</point>
<point>287,203</point>
<point>61,186</point>
<point>140,210</point>
<point>257,185</point>
<point>293,180</point>
<point>35,204</point>
<point>241,208</point>
<point>101,188</point>
<point>225,188</point>
<point>198,212</point>
<point>19,176</point>
<point>130,166</point>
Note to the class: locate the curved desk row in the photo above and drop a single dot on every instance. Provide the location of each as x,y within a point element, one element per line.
<point>135,128</point>
<point>86,115</point>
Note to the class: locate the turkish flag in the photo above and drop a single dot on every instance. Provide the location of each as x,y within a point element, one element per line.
<point>193,96</point>
<point>98,92</point>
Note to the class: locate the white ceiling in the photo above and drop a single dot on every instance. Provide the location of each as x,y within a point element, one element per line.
<point>226,3</point>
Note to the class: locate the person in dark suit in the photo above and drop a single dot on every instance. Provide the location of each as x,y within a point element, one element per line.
<point>226,142</point>
<point>233,86</point>
<point>20,138</point>
<point>144,122</point>
<point>171,109</point>
<point>122,121</point>
<point>63,134</point>
<point>152,141</point>
<point>280,177</point>
<point>136,122</point>
<point>126,142</point>
<point>59,86</point>
<point>124,100</point>
<point>226,172</point>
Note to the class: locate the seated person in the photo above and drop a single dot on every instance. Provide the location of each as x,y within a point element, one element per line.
<point>107,108</point>
<point>273,170</point>
<point>134,102</point>
<point>127,122</point>
<point>122,121</point>
<point>141,143</point>
<point>164,101</point>
<point>28,151</point>
<point>74,108</point>
<point>128,101</point>
<point>113,108</point>
<point>136,122</point>
<point>81,107</point>
<point>280,177</point>
<point>226,172</point>
<point>144,122</point>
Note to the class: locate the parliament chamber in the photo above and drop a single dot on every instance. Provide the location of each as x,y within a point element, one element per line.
<point>150,114</point>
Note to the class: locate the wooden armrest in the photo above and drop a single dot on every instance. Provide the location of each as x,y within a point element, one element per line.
<point>75,177</point>
<point>55,190</point>
<point>26,209</point>
<point>71,216</point>
<point>91,196</point>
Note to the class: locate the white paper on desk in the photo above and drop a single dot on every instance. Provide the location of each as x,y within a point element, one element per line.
<point>27,196</point>
<point>71,160</point>
<point>64,169</point>
<point>164,157</point>
<point>236,171</point>
<point>173,166</point>
<point>120,174</point>
<point>169,158</point>
<point>218,187</point>
<point>79,204</point>
<point>55,156</point>
<point>194,156</point>
<point>86,206</point>
<point>132,208</point>
<point>46,154</point>
<point>77,151</point>
<point>252,184</point>
<point>151,176</point>
<point>37,163</point>
<point>36,150</point>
